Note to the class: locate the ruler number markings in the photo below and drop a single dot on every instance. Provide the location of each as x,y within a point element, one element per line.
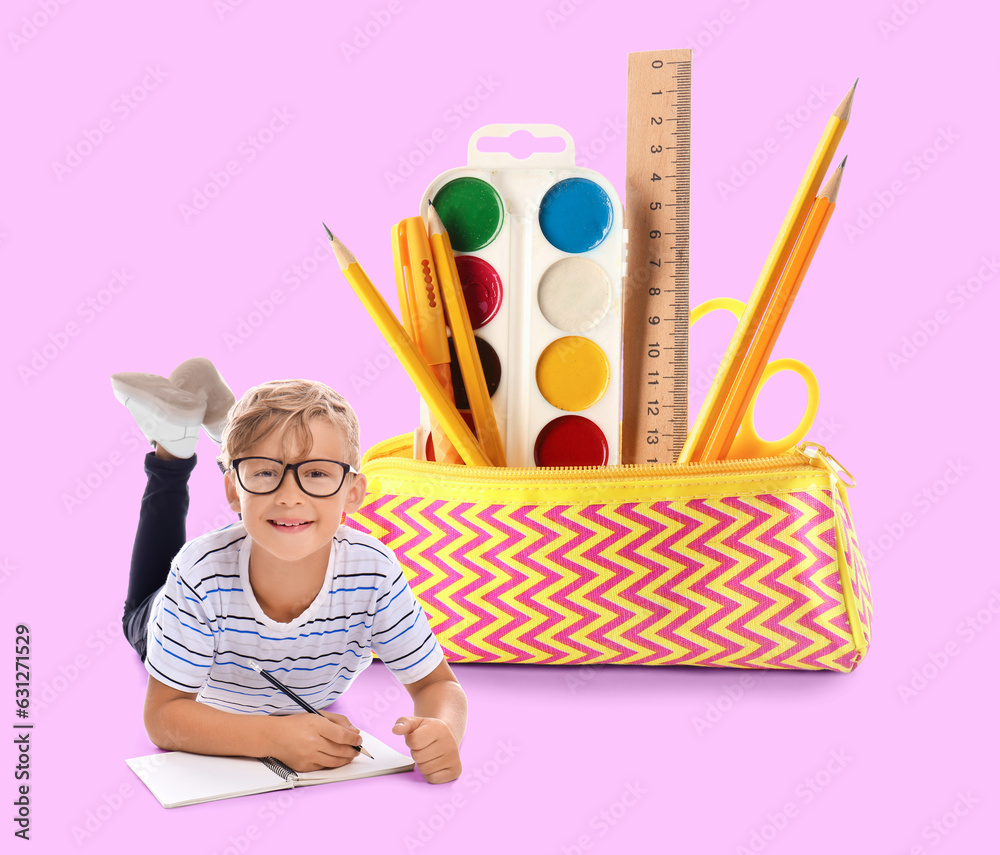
<point>654,350</point>
<point>657,412</point>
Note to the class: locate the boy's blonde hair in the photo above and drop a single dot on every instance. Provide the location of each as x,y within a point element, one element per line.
<point>287,406</point>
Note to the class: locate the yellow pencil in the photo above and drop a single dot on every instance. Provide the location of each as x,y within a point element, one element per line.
<point>427,385</point>
<point>712,409</point>
<point>750,372</point>
<point>464,340</point>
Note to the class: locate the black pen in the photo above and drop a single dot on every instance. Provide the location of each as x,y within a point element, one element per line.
<point>274,681</point>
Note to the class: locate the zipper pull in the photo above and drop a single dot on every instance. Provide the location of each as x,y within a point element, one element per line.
<point>815,451</point>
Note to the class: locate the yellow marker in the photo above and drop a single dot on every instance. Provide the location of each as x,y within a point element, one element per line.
<point>402,345</point>
<point>696,449</point>
<point>464,339</point>
<point>415,267</point>
<point>422,311</point>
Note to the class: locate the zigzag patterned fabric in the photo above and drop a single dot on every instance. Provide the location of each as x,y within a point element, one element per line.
<point>750,582</point>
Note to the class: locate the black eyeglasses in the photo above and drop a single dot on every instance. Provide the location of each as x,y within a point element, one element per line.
<point>263,475</point>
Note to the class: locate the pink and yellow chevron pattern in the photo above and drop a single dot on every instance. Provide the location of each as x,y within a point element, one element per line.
<point>769,579</point>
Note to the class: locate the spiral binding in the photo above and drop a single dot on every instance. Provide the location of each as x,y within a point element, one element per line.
<point>286,773</point>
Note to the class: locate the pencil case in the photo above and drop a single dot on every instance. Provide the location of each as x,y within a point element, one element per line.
<point>738,563</point>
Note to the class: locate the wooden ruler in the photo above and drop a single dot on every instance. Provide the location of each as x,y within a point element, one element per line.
<point>657,216</point>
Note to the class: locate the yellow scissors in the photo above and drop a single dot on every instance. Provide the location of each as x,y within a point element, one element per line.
<point>748,442</point>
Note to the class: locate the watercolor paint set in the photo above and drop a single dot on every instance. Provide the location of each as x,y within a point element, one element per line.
<point>539,247</point>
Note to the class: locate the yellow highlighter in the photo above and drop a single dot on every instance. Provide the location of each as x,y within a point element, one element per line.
<point>464,339</point>
<point>402,345</point>
<point>422,311</point>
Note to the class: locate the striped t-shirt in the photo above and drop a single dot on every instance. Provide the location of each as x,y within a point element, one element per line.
<point>206,625</point>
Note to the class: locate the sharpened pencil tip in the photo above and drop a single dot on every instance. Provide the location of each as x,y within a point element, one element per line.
<point>435,226</point>
<point>345,258</point>
<point>832,187</point>
<point>843,110</point>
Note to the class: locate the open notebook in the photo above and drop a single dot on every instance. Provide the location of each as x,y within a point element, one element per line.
<point>177,778</point>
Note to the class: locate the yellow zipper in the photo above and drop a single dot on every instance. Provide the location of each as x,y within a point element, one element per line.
<point>815,451</point>
<point>807,455</point>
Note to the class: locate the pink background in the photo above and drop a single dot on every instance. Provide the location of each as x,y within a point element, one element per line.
<point>897,318</point>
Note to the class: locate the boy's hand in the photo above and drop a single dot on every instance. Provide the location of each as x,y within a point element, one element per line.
<point>433,746</point>
<point>308,742</point>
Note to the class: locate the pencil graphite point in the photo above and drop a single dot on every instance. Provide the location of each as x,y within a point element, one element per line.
<point>435,226</point>
<point>832,187</point>
<point>843,110</point>
<point>345,258</point>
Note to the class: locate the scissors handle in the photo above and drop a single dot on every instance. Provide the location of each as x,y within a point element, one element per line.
<point>748,442</point>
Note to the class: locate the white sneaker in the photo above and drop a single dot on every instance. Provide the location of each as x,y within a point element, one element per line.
<point>167,415</point>
<point>200,377</point>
